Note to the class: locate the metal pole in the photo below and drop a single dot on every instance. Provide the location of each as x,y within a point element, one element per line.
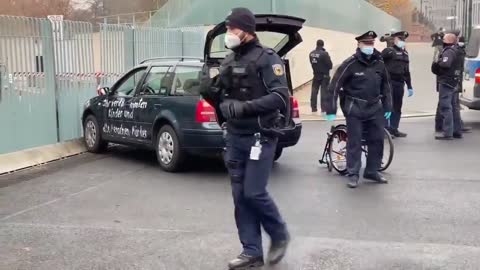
<point>463,18</point>
<point>470,17</point>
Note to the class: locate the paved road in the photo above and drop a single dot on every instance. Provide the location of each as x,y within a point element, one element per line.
<point>120,211</point>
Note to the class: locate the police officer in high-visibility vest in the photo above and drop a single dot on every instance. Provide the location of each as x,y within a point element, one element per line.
<point>251,96</point>
<point>398,65</point>
<point>363,85</point>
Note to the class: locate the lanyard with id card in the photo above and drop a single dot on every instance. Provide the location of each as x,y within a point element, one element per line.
<point>256,149</point>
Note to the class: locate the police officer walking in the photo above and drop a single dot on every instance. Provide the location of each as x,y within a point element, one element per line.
<point>321,65</point>
<point>363,85</point>
<point>397,62</point>
<point>252,96</point>
<point>448,69</point>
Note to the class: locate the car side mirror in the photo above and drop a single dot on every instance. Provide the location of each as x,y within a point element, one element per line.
<point>103,91</point>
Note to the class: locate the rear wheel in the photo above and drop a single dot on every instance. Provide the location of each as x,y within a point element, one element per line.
<point>388,151</point>
<point>337,151</point>
<point>92,136</point>
<point>169,153</point>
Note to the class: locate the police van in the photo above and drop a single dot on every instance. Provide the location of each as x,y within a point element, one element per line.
<point>471,81</point>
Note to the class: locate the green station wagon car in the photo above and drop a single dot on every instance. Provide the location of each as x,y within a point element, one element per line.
<point>157,104</point>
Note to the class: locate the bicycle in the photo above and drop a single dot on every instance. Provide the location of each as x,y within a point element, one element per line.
<point>335,151</point>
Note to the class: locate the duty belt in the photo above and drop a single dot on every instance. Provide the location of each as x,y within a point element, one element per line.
<point>368,102</point>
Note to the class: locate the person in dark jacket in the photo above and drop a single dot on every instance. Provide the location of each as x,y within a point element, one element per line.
<point>448,70</point>
<point>251,95</point>
<point>363,84</point>
<point>437,43</point>
<point>460,48</point>
<point>398,65</point>
<point>321,65</point>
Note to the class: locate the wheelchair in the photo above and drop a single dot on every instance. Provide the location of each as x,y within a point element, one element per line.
<point>335,151</point>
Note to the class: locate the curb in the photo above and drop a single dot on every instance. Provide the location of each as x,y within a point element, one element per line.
<point>40,155</point>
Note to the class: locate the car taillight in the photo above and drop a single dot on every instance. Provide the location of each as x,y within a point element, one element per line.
<point>296,110</point>
<point>477,76</point>
<point>205,112</point>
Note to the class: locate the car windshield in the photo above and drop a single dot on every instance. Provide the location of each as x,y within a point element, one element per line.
<point>268,39</point>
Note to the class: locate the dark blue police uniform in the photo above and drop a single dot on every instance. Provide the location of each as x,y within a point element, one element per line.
<point>252,101</point>
<point>363,85</point>
<point>448,69</point>
<point>267,97</point>
<point>398,65</point>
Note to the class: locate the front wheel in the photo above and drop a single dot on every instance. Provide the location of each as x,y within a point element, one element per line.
<point>92,136</point>
<point>388,151</point>
<point>169,153</point>
<point>337,151</point>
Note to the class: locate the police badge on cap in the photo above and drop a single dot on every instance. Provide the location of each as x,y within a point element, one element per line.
<point>401,34</point>
<point>368,36</point>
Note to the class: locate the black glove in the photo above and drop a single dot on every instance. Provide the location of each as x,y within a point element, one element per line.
<point>233,109</point>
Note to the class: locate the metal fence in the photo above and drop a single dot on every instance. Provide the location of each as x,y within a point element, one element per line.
<point>27,96</point>
<point>49,69</point>
<point>124,46</point>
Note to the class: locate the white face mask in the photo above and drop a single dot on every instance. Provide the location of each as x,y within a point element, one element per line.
<point>461,44</point>
<point>232,41</point>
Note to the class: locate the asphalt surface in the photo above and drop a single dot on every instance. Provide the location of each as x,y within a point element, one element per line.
<point>120,211</point>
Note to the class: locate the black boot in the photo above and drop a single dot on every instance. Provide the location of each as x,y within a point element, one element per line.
<point>443,138</point>
<point>377,177</point>
<point>277,251</point>
<point>399,134</point>
<point>466,129</point>
<point>353,181</point>
<point>245,262</point>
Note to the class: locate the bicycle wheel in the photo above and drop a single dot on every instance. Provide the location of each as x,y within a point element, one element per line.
<point>388,151</point>
<point>337,151</point>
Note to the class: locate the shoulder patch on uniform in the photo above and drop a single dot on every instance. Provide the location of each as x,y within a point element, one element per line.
<point>445,59</point>
<point>278,69</point>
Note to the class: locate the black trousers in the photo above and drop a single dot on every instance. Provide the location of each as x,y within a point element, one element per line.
<point>398,91</point>
<point>254,207</point>
<point>372,129</point>
<point>456,113</point>
<point>319,81</point>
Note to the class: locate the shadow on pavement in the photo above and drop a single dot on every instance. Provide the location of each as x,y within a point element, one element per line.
<point>148,157</point>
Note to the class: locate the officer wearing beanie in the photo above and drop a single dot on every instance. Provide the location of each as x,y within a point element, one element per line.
<point>397,62</point>
<point>362,82</point>
<point>251,96</point>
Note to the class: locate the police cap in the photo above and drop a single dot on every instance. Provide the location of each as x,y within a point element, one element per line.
<point>368,37</point>
<point>401,34</point>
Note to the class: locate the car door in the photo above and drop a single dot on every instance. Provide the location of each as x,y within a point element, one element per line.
<point>119,115</point>
<point>150,101</point>
<point>185,95</point>
<point>472,64</point>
